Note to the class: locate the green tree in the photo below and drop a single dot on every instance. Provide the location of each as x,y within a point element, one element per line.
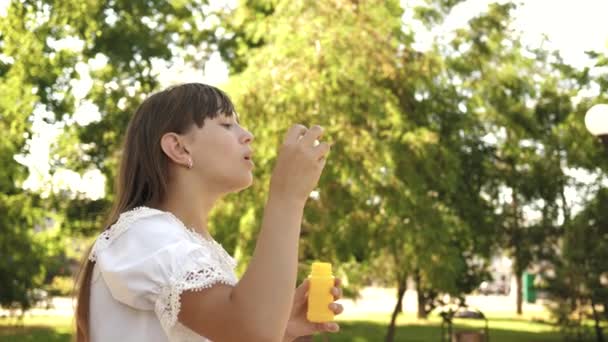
<point>577,278</point>
<point>579,281</point>
<point>29,233</point>
<point>351,68</point>
<point>130,38</point>
<point>43,45</point>
<point>521,104</point>
<point>299,77</point>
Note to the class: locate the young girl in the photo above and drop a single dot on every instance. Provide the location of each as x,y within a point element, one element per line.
<point>155,273</point>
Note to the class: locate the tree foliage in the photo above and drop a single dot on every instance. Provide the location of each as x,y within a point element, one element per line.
<point>439,155</point>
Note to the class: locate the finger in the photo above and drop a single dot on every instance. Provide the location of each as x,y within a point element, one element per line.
<point>294,133</point>
<point>304,285</point>
<point>322,162</point>
<point>336,308</point>
<point>337,282</point>
<point>314,133</point>
<point>301,291</point>
<point>322,150</point>
<point>330,327</point>
<point>337,292</point>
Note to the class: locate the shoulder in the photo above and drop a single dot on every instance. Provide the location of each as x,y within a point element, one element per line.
<point>140,226</point>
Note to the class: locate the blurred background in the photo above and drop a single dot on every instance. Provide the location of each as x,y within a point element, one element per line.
<point>464,198</point>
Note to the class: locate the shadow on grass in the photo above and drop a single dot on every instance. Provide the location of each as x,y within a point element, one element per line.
<point>32,334</point>
<point>520,320</point>
<point>350,331</point>
<point>376,332</point>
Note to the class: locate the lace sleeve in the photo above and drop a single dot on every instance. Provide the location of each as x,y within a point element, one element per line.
<point>203,270</point>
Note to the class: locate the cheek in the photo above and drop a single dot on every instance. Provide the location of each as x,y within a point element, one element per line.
<point>218,154</point>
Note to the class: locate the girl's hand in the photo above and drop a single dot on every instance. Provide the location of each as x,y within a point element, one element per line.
<point>298,325</point>
<point>299,164</point>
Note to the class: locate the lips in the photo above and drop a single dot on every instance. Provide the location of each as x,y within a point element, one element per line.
<point>248,155</point>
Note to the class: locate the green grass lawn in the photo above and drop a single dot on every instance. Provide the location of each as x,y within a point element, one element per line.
<point>503,328</point>
<point>368,328</point>
<point>39,329</point>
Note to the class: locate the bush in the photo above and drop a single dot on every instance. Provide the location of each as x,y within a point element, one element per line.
<point>61,286</point>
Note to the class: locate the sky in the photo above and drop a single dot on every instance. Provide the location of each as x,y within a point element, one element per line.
<point>572,27</point>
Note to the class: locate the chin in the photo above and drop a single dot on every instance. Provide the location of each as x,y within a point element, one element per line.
<point>243,184</point>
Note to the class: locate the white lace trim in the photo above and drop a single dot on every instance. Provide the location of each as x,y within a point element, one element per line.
<point>126,219</point>
<point>203,276</point>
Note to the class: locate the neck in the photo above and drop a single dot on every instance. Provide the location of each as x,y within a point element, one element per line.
<point>190,206</point>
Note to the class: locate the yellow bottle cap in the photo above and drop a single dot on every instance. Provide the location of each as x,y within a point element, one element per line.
<point>320,269</point>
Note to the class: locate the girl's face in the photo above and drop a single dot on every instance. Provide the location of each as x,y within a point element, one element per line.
<point>221,154</point>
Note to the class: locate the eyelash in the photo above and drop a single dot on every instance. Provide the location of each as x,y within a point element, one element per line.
<point>227,125</point>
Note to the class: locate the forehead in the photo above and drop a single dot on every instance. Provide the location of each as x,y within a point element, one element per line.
<point>233,115</point>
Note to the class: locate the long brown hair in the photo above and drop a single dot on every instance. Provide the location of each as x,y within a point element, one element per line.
<point>144,168</point>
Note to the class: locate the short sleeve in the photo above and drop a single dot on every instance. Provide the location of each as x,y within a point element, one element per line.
<point>147,260</point>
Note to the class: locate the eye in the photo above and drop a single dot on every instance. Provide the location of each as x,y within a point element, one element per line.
<point>227,125</point>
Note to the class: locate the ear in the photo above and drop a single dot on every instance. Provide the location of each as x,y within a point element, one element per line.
<point>173,146</point>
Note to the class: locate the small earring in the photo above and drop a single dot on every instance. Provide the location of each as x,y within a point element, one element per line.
<point>190,163</point>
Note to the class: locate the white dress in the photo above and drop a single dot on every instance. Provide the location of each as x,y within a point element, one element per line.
<point>142,265</point>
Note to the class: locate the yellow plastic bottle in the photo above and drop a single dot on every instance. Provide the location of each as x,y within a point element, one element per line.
<point>319,293</point>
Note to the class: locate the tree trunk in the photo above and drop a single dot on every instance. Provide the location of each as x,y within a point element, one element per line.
<point>516,242</point>
<point>599,335</point>
<point>422,314</point>
<point>519,289</point>
<point>401,287</point>
<point>518,262</point>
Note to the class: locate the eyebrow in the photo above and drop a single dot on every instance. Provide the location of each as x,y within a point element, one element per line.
<point>236,117</point>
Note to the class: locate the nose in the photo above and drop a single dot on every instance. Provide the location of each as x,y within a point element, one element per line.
<point>247,137</point>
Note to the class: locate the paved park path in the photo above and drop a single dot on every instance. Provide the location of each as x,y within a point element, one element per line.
<point>373,300</point>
